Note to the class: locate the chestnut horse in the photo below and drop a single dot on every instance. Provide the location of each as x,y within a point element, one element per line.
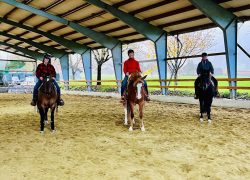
<point>135,95</point>
<point>47,99</point>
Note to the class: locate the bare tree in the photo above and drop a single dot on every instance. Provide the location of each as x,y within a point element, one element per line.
<point>101,56</point>
<point>75,65</point>
<point>186,45</point>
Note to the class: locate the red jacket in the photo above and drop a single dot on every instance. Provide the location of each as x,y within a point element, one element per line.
<point>43,70</point>
<point>131,65</point>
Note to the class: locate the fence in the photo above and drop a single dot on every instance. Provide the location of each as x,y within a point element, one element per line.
<point>77,83</point>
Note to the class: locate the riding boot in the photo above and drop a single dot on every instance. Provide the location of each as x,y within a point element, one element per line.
<point>34,101</point>
<point>196,95</point>
<point>123,96</point>
<point>60,102</point>
<point>216,94</point>
<point>146,95</point>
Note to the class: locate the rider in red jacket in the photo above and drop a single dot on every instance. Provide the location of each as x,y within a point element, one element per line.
<point>46,69</point>
<point>131,65</point>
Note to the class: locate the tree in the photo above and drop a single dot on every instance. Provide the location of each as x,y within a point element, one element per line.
<point>101,56</point>
<point>75,65</point>
<point>186,45</point>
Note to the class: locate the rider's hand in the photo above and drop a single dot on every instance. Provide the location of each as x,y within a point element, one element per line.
<point>53,78</point>
<point>127,74</point>
<point>41,78</point>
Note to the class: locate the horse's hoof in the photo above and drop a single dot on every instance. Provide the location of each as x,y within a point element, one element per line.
<point>53,131</point>
<point>42,132</point>
<point>130,128</point>
<point>125,123</point>
<point>209,121</point>
<point>142,129</point>
<point>201,120</point>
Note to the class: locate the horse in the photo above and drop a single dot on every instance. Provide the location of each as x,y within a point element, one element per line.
<point>47,99</point>
<point>206,93</point>
<point>135,95</point>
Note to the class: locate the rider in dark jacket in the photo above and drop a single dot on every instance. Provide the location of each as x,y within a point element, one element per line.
<point>205,67</point>
<point>46,69</point>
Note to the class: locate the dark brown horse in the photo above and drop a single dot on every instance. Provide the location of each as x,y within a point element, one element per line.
<point>136,95</point>
<point>47,99</point>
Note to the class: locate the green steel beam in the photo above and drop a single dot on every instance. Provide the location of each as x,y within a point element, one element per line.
<point>98,37</point>
<point>215,12</point>
<point>148,30</point>
<point>76,47</point>
<point>35,55</point>
<point>16,53</point>
<point>53,51</point>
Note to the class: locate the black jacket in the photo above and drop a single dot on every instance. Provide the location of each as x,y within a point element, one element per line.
<point>205,67</point>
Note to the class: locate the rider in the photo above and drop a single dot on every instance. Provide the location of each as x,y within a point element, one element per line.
<point>131,65</point>
<point>205,67</point>
<point>46,69</point>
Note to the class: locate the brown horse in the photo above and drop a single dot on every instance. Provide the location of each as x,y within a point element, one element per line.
<point>136,95</point>
<point>47,99</point>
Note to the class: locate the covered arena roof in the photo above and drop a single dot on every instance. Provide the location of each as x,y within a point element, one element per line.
<point>173,16</point>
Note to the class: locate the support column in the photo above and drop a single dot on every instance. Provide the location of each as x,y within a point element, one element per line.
<point>117,62</point>
<point>230,39</point>
<point>161,54</point>
<point>64,61</point>
<point>87,65</point>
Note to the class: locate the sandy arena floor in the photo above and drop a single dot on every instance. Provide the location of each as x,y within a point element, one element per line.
<point>92,143</point>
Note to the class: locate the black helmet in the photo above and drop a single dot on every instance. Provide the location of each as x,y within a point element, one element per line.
<point>130,51</point>
<point>47,56</point>
<point>203,54</point>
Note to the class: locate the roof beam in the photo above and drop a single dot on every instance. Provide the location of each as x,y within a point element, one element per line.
<point>35,55</point>
<point>215,12</point>
<point>16,53</point>
<point>103,39</point>
<point>151,32</point>
<point>76,47</point>
<point>53,51</point>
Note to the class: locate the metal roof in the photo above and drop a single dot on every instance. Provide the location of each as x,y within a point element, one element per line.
<point>173,16</point>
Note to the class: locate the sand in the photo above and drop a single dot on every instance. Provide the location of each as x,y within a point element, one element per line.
<point>91,142</point>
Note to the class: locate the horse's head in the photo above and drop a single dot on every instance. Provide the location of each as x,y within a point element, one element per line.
<point>136,81</point>
<point>48,86</point>
<point>205,82</point>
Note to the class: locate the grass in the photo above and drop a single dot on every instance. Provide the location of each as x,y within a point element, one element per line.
<point>221,83</point>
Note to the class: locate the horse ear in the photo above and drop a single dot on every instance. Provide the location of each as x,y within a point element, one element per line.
<point>144,77</point>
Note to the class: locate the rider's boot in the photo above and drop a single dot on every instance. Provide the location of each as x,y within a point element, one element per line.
<point>34,100</point>
<point>217,94</point>
<point>147,96</point>
<point>60,102</point>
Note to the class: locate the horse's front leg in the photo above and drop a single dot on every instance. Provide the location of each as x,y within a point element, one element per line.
<point>52,123</point>
<point>141,106</point>
<point>131,118</point>
<point>201,109</point>
<point>42,114</point>
<point>125,113</point>
<point>209,104</point>
<point>46,116</point>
